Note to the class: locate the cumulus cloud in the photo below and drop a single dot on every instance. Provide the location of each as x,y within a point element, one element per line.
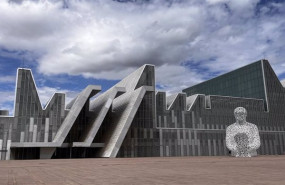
<point>109,39</point>
<point>7,100</point>
<point>46,93</point>
<point>7,79</point>
<point>167,77</point>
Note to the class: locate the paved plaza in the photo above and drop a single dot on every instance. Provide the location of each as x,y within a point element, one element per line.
<point>173,170</point>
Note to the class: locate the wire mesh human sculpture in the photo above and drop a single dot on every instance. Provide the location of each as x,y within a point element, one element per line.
<point>242,137</point>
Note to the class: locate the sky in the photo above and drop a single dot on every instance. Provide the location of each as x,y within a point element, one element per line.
<point>70,44</point>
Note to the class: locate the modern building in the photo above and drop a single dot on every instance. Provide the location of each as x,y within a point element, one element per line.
<point>132,119</point>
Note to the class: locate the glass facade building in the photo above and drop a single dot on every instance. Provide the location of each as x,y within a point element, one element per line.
<point>244,82</point>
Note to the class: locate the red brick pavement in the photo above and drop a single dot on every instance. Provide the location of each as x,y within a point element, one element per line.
<point>173,170</point>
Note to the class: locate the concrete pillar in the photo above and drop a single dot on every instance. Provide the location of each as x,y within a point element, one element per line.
<point>187,147</point>
<point>225,147</point>
<point>161,142</point>
<point>183,119</point>
<point>266,147</point>
<point>159,121</point>
<point>46,153</point>
<point>193,119</point>
<point>167,151</point>
<point>193,148</point>
<point>172,116</point>
<point>31,129</point>
<point>215,147</point>
<point>209,147</point>
<point>8,150</point>
<point>281,143</point>
<point>199,147</point>
<point>1,143</point>
<point>22,137</point>
<point>220,147</point>
<point>35,133</point>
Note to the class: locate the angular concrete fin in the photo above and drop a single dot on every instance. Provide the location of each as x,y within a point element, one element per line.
<point>178,101</point>
<point>75,110</point>
<point>53,104</point>
<point>124,110</point>
<point>99,107</point>
<point>142,76</point>
<point>190,101</point>
<point>170,100</point>
<point>70,104</point>
<point>147,77</point>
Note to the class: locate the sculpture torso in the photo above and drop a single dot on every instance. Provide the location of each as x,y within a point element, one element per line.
<point>243,139</point>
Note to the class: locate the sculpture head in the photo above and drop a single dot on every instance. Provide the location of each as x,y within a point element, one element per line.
<point>240,114</point>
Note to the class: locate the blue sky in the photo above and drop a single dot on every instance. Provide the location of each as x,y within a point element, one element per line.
<point>70,44</point>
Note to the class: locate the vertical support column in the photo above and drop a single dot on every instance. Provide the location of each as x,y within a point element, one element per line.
<point>281,143</point>
<point>271,146</point>
<point>209,147</point>
<point>183,119</point>
<point>215,147</point>
<point>266,146</point>
<point>194,143</point>
<point>182,147</point>
<point>193,119</point>
<point>22,137</point>
<point>31,129</point>
<point>8,150</point>
<point>26,135</point>
<point>220,147</point>
<point>1,144</point>
<point>225,147</point>
<point>193,148</point>
<point>184,144</point>
<point>187,147</point>
<point>132,147</point>
<point>201,123</point>
<point>35,133</point>
<point>167,151</point>
<point>199,147</point>
<point>159,121</point>
<point>161,142</point>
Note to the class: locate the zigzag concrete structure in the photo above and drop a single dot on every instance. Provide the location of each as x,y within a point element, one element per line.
<point>132,119</point>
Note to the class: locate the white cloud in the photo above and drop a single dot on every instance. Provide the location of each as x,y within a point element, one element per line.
<point>7,79</point>
<point>46,93</point>
<point>169,78</point>
<point>212,2</point>
<point>108,39</point>
<point>7,101</point>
